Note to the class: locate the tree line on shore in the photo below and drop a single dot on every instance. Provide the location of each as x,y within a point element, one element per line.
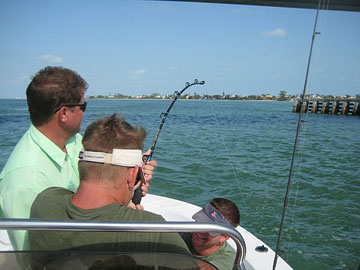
<point>282,96</point>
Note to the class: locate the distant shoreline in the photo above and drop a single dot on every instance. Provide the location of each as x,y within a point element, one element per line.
<point>135,99</point>
<point>292,99</point>
<point>158,99</point>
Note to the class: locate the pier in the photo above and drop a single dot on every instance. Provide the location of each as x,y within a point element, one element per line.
<point>343,107</point>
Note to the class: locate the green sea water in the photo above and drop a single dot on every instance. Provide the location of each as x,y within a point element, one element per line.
<point>242,150</point>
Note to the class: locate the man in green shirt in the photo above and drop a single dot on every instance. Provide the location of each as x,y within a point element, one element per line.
<point>47,155</point>
<point>213,247</point>
<point>108,168</point>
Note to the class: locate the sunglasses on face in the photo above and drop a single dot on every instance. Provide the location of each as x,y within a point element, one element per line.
<point>81,106</point>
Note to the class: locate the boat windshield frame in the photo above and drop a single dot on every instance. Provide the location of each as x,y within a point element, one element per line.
<point>116,226</point>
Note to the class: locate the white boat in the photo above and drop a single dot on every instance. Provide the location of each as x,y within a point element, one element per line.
<point>250,250</point>
<point>252,253</point>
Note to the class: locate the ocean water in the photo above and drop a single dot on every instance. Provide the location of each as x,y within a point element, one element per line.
<point>242,150</point>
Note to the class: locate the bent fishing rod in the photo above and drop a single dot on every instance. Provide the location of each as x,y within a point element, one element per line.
<point>146,158</point>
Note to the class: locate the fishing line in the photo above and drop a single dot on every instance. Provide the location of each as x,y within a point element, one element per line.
<point>300,155</point>
<point>227,151</point>
<point>298,178</point>
<point>286,199</point>
<point>323,19</point>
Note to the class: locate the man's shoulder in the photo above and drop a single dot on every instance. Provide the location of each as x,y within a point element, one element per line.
<point>54,192</point>
<point>151,215</point>
<point>47,199</point>
<point>120,212</point>
<point>20,157</point>
<point>27,153</point>
<point>23,146</point>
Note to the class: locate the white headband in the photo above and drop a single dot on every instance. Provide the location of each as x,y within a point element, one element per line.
<point>120,157</point>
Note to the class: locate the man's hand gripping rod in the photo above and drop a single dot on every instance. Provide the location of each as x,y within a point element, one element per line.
<point>138,192</point>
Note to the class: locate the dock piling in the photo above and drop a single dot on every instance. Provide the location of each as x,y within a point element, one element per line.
<point>340,107</point>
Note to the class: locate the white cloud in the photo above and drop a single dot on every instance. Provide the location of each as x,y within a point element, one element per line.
<point>137,73</point>
<point>25,77</point>
<point>51,58</point>
<point>279,32</point>
<point>170,68</point>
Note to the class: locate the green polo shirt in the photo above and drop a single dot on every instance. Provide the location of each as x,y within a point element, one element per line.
<point>35,164</point>
<point>223,258</point>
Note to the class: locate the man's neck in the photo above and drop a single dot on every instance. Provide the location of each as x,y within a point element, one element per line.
<point>91,195</point>
<point>54,134</point>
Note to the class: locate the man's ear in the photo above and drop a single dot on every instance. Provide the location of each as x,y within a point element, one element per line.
<point>132,173</point>
<point>224,238</point>
<point>63,114</point>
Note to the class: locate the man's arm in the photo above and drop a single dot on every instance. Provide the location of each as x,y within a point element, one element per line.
<point>16,203</point>
<point>19,189</point>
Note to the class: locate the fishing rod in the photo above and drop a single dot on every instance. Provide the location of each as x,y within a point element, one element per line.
<point>146,158</point>
<point>286,199</point>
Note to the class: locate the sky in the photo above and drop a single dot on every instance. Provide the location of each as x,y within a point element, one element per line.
<point>135,47</point>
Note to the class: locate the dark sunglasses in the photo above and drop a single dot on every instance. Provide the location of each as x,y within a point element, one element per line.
<point>81,106</point>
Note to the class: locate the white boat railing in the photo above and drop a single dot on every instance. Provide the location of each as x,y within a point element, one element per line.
<point>115,226</point>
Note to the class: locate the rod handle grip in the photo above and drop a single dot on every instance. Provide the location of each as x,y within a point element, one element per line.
<point>137,196</point>
<point>138,192</point>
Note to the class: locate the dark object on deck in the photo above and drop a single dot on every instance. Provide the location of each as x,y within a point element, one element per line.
<point>261,248</point>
